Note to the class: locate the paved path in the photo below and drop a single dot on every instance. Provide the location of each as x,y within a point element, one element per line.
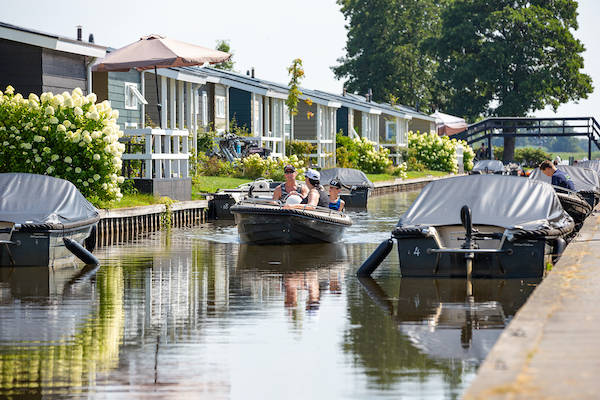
<point>551,349</point>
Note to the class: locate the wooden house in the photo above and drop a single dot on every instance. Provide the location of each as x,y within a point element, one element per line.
<point>37,62</point>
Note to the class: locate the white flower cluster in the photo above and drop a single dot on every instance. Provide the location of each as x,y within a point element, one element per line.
<point>439,152</point>
<point>66,135</point>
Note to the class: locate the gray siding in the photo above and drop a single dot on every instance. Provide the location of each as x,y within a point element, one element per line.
<point>116,96</point>
<point>21,67</point>
<point>63,71</point>
<point>209,88</point>
<point>304,128</point>
<point>419,125</point>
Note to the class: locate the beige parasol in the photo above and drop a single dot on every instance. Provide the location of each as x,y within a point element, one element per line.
<point>155,51</point>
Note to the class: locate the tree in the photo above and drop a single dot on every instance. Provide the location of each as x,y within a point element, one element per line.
<point>223,45</point>
<point>383,49</point>
<point>509,58</point>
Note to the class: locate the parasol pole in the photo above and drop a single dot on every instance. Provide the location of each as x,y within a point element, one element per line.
<point>158,105</point>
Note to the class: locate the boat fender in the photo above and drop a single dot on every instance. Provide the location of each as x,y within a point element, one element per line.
<point>559,246</point>
<point>80,252</point>
<point>90,241</point>
<point>371,263</point>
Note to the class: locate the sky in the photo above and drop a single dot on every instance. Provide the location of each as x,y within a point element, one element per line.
<point>264,34</point>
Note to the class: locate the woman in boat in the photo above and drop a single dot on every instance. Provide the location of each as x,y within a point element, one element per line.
<point>317,196</point>
<point>290,186</point>
<point>335,202</point>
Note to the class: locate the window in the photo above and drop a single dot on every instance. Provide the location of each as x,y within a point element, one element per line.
<point>219,107</point>
<point>133,96</point>
<point>204,108</point>
<point>287,121</point>
<point>390,130</point>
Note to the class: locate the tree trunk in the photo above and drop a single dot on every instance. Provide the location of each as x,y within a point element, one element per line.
<point>509,146</point>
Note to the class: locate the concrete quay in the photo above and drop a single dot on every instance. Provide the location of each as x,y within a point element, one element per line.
<point>551,348</point>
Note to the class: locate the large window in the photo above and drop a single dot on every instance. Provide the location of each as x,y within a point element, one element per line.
<point>133,96</point>
<point>219,107</point>
<point>287,121</point>
<point>390,130</point>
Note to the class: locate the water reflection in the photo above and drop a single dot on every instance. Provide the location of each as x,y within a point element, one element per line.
<point>60,328</point>
<point>177,315</point>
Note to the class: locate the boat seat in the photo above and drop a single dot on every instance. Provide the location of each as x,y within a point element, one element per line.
<point>6,230</point>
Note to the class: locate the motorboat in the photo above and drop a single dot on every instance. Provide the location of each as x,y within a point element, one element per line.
<point>482,226</point>
<point>356,187</point>
<point>488,167</point>
<point>220,202</point>
<point>39,217</point>
<point>266,222</point>
<point>587,188</point>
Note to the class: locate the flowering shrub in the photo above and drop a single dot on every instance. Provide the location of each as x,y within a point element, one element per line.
<point>252,167</point>
<point>66,135</point>
<point>439,152</point>
<point>400,170</point>
<point>361,153</point>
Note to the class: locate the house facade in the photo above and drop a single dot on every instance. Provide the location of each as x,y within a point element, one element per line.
<point>37,62</point>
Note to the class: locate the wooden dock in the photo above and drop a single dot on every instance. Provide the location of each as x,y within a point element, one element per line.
<point>125,224</point>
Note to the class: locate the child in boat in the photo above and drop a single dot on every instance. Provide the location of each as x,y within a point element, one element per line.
<point>335,202</point>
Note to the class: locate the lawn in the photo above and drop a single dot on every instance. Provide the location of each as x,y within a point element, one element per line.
<point>210,184</point>
<point>130,200</point>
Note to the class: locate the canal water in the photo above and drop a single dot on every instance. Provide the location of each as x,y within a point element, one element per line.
<point>195,314</point>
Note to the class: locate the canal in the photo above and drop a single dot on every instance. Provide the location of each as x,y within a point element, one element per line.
<point>194,314</point>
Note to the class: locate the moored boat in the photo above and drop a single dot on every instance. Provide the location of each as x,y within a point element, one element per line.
<point>38,214</point>
<point>263,222</point>
<point>586,181</point>
<point>489,167</point>
<point>480,226</point>
<point>356,187</point>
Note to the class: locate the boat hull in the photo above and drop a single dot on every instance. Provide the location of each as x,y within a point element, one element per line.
<point>357,198</point>
<point>286,227</point>
<point>43,247</point>
<point>523,259</point>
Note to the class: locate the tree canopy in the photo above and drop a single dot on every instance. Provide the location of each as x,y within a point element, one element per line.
<point>383,49</point>
<point>223,45</point>
<point>509,57</point>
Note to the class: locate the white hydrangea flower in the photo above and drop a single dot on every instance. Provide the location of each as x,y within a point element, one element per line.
<point>77,170</point>
<point>96,157</point>
<point>78,111</point>
<point>68,160</point>
<point>49,110</point>
<point>54,157</point>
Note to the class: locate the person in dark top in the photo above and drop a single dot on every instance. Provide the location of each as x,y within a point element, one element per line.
<point>335,201</point>
<point>558,177</point>
<point>290,186</point>
<point>317,196</point>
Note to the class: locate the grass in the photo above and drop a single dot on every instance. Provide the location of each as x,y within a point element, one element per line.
<point>577,156</point>
<point>130,200</point>
<point>210,184</point>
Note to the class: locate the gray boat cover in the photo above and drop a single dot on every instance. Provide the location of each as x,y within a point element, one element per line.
<point>347,176</point>
<point>510,202</point>
<point>30,199</point>
<point>491,165</point>
<point>584,179</point>
<point>592,164</point>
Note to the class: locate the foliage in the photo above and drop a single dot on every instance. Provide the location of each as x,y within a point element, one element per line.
<point>531,157</point>
<point>297,73</point>
<point>384,50</point>
<point>213,166</point>
<point>412,162</point>
<point>439,152</point>
<point>223,45</point>
<point>66,135</point>
<point>399,171</point>
<point>254,167</point>
<point>361,153</point>
<point>207,141</point>
<point>300,149</point>
<point>210,184</point>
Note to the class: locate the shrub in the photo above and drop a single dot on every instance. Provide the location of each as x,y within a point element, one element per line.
<point>361,154</point>
<point>254,167</point>
<point>530,156</point>
<point>300,149</point>
<point>399,171</point>
<point>207,141</point>
<point>439,152</point>
<point>66,135</point>
<point>213,166</point>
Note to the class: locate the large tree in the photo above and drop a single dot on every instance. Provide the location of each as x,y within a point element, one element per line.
<point>509,58</point>
<point>383,49</point>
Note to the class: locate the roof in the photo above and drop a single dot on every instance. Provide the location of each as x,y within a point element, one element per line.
<point>50,41</point>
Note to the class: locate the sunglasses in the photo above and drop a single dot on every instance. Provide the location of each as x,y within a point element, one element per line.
<point>288,172</point>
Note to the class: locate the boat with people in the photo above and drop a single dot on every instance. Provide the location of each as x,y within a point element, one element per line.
<point>356,186</point>
<point>268,222</point>
<point>44,221</point>
<point>479,226</point>
<point>580,202</point>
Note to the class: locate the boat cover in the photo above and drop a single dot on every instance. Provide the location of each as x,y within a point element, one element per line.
<point>592,164</point>
<point>347,176</point>
<point>584,179</point>
<point>30,199</point>
<point>490,165</point>
<point>510,202</point>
